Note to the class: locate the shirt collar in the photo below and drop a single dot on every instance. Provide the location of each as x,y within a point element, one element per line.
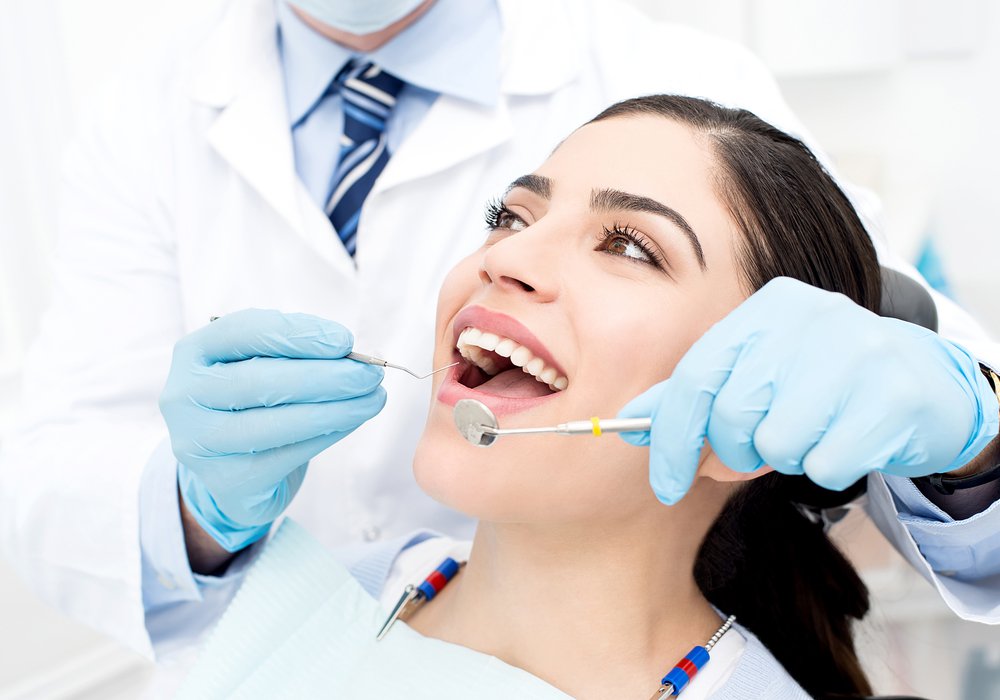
<point>453,49</point>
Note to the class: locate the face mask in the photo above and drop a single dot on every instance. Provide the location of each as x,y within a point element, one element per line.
<point>357,16</point>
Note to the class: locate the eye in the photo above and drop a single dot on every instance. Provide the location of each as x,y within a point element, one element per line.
<point>498,216</point>
<point>626,242</point>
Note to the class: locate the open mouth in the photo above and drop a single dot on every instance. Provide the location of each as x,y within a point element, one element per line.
<point>498,365</point>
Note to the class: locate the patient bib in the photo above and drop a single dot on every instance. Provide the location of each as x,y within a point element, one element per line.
<point>302,627</point>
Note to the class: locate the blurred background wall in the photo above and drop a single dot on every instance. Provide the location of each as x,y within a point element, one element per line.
<point>902,94</point>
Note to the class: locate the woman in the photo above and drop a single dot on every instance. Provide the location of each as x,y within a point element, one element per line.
<point>642,229</point>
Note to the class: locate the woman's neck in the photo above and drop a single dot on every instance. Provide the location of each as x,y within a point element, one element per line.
<point>602,610</point>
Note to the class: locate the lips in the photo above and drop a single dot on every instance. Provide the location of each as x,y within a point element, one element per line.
<point>534,378</point>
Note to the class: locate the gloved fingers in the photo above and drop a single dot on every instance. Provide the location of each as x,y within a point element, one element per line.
<point>740,405</point>
<point>852,446</point>
<point>680,425</point>
<point>234,481</point>
<point>794,425</point>
<point>277,460</point>
<point>984,421</point>
<point>641,406</point>
<point>266,333</point>
<point>250,506</point>
<point>674,452</point>
<point>680,419</point>
<point>259,429</point>
<point>273,381</point>
<point>904,422</point>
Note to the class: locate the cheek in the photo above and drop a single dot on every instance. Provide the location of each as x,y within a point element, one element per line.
<point>633,342</point>
<point>458,285</point>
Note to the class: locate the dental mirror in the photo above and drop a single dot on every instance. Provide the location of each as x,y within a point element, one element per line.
<point>477,424</point>
<point>471,418</point>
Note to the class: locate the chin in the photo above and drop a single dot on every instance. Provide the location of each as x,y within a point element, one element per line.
<point>460,476</point>
<point>539,479</point>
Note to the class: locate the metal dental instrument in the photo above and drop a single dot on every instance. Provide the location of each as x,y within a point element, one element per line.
<point>371,360</point>
<point>478,425</point>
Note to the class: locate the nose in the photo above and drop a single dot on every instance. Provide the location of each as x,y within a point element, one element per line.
<point>525,262</point>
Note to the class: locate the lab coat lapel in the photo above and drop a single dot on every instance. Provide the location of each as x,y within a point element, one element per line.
<point>539,53</point>
<point>453,131</point>
<point>243,76</point>
<point>252,134</point>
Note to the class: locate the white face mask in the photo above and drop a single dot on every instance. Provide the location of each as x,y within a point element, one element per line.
<point>357,16</point>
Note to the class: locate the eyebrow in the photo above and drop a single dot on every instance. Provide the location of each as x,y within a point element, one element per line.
<point>608,199</point>
<point>539,184</point>
<point>604,200</point>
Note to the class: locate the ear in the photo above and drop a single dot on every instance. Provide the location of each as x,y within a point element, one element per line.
<point>711,467</point>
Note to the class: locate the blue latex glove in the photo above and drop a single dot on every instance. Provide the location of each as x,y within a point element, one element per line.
<point>806,381</point>
<point>250,399</point>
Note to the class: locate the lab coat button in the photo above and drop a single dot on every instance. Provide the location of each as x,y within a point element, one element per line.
<point>371,533</point>
<point>167,581</point>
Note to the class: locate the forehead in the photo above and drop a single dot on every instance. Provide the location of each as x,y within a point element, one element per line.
<point>636,154</point>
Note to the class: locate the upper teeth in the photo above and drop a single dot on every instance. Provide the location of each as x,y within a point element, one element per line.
<point>474,343</point>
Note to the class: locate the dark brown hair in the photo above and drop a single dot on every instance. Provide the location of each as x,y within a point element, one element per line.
<point>764,560</point>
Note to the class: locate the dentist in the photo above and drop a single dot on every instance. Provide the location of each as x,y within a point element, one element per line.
<point>330,158</point>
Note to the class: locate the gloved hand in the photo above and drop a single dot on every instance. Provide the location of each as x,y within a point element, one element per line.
<point>806,381</point>
<point>249,400</point>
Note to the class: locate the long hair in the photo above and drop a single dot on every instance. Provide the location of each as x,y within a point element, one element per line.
<point>763,559</point>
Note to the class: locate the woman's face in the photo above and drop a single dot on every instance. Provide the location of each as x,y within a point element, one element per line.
<point>600,271</point>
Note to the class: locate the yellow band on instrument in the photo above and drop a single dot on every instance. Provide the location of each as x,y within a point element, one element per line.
<point>597,425</point>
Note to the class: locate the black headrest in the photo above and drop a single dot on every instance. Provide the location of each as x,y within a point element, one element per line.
<point>905,299</point>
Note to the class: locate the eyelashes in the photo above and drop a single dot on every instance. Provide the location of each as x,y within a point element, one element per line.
<point>494,208</point>
<point>611,240</point>
<point>498,216</point>
<point>620,240</point>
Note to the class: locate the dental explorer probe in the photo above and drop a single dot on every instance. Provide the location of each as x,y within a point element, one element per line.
<point>477,424</point>
<point>372,360</point>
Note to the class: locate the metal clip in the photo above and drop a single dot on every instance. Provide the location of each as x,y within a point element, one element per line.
<point>663,692</point>
<point>415,596</point>
<point>407,603</point>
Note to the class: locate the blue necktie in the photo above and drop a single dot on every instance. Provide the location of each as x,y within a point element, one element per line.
<point>368,95</point>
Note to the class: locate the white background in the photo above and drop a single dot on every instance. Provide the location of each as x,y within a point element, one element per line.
<point>903,94</point>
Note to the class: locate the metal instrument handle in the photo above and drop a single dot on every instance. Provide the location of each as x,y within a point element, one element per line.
<point>607,425</point>
<point>367,359</point>
<point>372,360</point>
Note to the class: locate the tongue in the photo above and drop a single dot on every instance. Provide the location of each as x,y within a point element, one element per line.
<point>515,383</point>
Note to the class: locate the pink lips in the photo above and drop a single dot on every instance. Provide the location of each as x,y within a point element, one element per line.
<point>452,391</point>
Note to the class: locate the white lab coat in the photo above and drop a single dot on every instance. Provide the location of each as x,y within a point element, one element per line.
<point>182,203</point>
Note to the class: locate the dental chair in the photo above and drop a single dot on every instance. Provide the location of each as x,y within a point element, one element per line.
<point>905,299</point>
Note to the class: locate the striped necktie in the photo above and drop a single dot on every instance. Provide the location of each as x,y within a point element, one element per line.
<point>368,95</point>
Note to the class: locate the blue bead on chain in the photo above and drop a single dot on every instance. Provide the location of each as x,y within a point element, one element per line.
<point>680,675</point>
